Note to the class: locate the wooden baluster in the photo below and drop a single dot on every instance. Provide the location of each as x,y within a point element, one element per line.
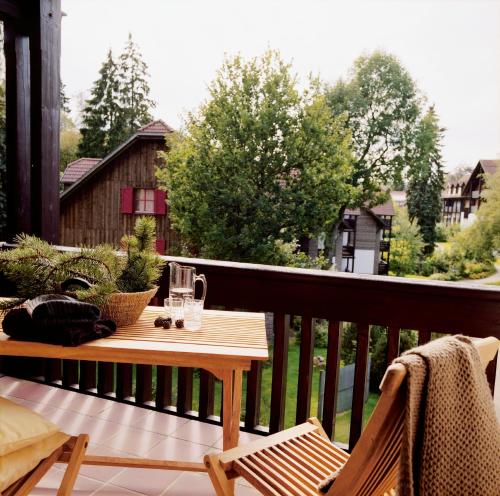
<point>124,372</point>
<point>70,373</point>
<point>105,378</point>
<point>305,370</point>
<point>393,333</point>
<point>360,373</point>
<point>331,377</point>
<point>52,370</point>
<point>143,384</point>
<point>87,375</point>
<point>252,405</point>
<point>280,367</point>
<point>207,394</point>
<point>184,389</point>
<point>163,387</point>
<point>423,337</point>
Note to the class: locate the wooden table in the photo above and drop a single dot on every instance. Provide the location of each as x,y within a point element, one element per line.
<point>225,346</point>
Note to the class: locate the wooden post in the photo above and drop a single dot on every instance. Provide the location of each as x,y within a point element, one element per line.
<point>45,54</point>
<point>18,135</point>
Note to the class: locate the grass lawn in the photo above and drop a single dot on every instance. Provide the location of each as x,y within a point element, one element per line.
<point>342,423</point>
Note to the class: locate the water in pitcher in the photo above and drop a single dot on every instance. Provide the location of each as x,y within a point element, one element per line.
<point>184,293</point>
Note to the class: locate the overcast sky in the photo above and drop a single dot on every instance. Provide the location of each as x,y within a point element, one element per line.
<point>451,48</point>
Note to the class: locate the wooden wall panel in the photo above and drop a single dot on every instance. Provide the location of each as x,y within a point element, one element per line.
<point>92,214</point>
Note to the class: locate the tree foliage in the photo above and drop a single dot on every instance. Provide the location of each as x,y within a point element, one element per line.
<point>134,89</point>
<point>69,139</point>
<point>118,105</point>
<point>426,178</point>
<point>260,162</point>
<point>406,245</point>
<point>382,105</point>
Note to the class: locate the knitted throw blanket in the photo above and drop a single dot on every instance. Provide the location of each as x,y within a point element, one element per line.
<point>451,438</point>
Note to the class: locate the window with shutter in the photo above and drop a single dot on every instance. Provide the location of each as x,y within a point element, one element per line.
<point>160,205</point>
<point>145,201</point>
<point>127,200</point>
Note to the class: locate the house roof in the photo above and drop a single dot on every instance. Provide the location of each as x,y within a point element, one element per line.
<point>76,169</point>
<point>154,130</point>
<point>386,208</point>
<point>490,166</point>
<point>156,127</point>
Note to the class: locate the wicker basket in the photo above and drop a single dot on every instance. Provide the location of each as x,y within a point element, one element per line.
<point>126,308</point>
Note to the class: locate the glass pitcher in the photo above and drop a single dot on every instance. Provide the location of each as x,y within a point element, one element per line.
<point>183,280</point>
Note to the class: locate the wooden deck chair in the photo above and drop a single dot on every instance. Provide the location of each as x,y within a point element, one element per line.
<point>294,461</point>
<point>70,450</point>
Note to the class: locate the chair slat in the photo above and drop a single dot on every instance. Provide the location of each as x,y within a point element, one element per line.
<point>318,457</point>
<point>281,454</point>
<point>261,481</point>
<point>289,466</point>
<point>273,472</point>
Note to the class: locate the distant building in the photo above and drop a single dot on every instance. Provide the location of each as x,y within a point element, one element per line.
<point>399,198</point>
<point>103,197</point>
<point>364,244</point>
<point>462,198</point>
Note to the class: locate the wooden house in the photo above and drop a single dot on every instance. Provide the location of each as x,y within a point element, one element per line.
<point>103,198</point>
<point>364,244</point>
<point>462,199</point>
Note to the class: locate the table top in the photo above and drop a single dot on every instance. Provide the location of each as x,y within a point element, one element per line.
<point>226,340</point>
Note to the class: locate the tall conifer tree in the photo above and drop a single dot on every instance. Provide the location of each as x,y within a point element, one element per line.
<point>426,178</point>
<point>119,103</point>
<point>102,123</point>
<point>134,88</point>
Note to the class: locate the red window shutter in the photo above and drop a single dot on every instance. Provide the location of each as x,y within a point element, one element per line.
<point>160,205</point>
<point>127,200</point>
<point>160,246</point>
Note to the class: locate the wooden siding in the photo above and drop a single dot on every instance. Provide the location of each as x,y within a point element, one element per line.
<point>366,232</point>
<point>92,214</point>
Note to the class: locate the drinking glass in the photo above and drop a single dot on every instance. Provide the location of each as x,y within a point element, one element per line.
<point>193,312</point>
<point>174,307</point>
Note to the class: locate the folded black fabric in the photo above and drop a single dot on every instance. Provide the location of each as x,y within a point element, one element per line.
<point>57,319</point>
<point>60,307</point>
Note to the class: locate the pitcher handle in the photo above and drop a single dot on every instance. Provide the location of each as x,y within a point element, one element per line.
<point>203,279</point>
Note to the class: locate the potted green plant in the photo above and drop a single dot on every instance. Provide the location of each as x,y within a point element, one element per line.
<point>136,283</point>
<point>121,285</point>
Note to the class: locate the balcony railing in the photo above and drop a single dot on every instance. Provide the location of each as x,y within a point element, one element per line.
<point>385,245</point>
<point>394,303</point>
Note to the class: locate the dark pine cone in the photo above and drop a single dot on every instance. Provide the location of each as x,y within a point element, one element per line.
<point>179,323</point>
<point>162,321</point>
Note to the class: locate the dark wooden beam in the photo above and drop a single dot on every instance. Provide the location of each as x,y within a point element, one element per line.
<point>45,54</point>
<point>11,10</point>
<point>18,135</point>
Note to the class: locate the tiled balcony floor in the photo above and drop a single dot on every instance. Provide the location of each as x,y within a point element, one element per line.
<point>123,430</point>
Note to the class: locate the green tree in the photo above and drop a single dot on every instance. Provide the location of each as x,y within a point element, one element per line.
<point>382,105</point>
<point>406,245</point>
<point>69,140</point>
<point>426,178</point>
<point>102,121</point>
<point>259,164</point>
<point>134,88</point>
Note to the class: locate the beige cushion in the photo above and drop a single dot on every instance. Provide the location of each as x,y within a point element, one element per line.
<point>20,427</point>
<point>18,463</point>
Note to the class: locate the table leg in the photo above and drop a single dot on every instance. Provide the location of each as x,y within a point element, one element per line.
<point>232,384</point>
